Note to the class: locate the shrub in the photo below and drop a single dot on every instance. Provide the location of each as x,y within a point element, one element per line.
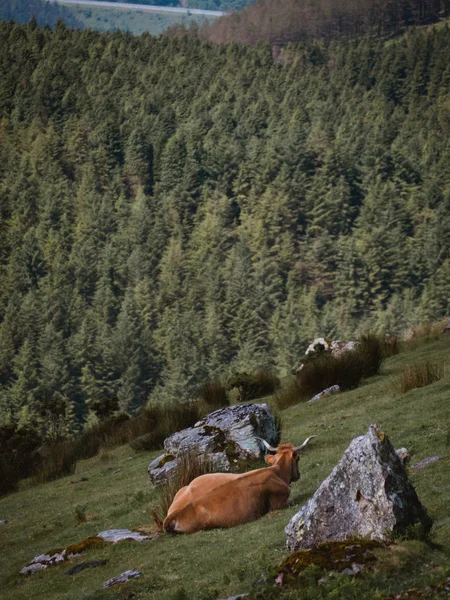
<point>189,467</point>
<point>213,394</point>
<point>417,376</point>
<point>18,455</point>
<point>253,386</point>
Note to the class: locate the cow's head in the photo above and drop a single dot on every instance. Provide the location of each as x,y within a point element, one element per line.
<point>287,454</point>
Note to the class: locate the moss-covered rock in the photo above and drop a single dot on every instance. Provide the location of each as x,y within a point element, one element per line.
<point>348,557</point>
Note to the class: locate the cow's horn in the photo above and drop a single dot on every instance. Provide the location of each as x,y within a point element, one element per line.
<point>268,446</point>
<point>298,448</point>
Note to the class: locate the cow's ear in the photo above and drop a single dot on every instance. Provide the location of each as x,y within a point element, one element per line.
<point>270,459</point>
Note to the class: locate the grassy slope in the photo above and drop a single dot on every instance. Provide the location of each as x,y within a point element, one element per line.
<point>222,562</point>
<point>134,21</point>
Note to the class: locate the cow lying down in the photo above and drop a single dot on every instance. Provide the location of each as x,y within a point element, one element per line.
<point>226,499</point>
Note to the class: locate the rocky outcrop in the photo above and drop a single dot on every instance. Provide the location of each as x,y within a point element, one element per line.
<point>334,347</point>
<point>325,346</point>
<point>224,436</point>
<point>366,495</point>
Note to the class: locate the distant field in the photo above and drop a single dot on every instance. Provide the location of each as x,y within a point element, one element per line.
<point>134,21</point>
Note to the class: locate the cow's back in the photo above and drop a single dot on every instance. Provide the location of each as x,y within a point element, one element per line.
<point>239,500</point>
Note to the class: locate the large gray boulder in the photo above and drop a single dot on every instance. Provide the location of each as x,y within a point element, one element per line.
<point>366,495</point>
<point>223,436</point>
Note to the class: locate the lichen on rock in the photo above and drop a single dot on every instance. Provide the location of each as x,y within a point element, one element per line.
<point>225,436</point>
<point>366,495</point>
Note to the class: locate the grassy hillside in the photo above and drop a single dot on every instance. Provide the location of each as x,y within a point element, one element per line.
<point>219,563</point>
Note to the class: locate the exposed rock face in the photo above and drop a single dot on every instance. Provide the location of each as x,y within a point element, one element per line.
<point>366,495</point>
<point>334,389</point>
<point>222,436</point>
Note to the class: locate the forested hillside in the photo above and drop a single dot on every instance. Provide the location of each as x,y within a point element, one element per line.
<point>283,21</point>
<point>173,210</point>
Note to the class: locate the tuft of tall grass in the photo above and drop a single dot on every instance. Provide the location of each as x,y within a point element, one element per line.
<point>289,395</point>
<point>346,370</point>
<point>189,467</point>
<point>391,346</point>
<point>419,375</point>
<point>213,394</point>
<point>154,423</point>
<point>422,334</point>
<point>261,383</point>
<point>59,459</point>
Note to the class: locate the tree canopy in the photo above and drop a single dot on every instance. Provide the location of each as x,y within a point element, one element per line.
<point>173,210</point>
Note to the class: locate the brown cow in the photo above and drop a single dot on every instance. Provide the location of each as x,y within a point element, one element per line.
<point>226,499</point>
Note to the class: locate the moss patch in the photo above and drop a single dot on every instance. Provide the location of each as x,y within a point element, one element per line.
<point>330,556</point>
<point>87,544</point>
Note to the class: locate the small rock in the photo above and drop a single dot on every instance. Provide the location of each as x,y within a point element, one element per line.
<point>425,462</point>
<point>43,561</point>
<point>85,565</point>
<point>403,455</point>
<point>334,389</point>
<point>31,569</point>
<point>122,578</point>
<point>117,535</point>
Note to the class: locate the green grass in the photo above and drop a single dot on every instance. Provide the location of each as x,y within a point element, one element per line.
<point>220,563</point>
<point>134,21</point>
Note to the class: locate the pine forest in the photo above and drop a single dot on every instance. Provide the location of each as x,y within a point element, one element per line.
<point>174,211</point>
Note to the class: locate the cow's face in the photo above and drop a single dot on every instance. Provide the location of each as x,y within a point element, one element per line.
<point>290,456</point>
